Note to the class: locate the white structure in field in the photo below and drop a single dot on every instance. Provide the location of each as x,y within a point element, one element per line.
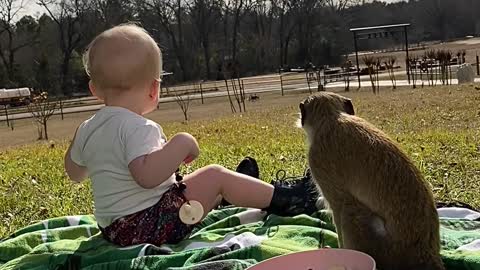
<point>15,96</point>
<point>465,74</point>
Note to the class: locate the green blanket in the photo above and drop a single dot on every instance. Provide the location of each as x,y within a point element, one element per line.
<point>233,238</point>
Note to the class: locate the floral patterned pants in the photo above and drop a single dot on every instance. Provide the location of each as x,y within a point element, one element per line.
<point>157,225</point>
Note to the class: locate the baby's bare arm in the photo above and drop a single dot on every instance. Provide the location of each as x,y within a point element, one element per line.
<point>151,170</point>
<point>75,172</point>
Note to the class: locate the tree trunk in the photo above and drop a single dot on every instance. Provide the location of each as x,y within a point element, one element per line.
<point>179,52</point>
<point>45,129</point>
<point>8,58</point>
<point>226,48</point>
<point>65,89</point>
<point>206,52</point>
<point>234,38</point>
<point>11,57</point>
<point>183,65</point>
<point>281,34</point>
<point>236,25</point>
<point>285,56</point>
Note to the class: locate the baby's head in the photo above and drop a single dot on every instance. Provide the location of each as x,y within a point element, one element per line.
<point>123,59</point>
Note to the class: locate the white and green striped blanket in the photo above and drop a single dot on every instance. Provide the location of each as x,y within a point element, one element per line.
<point>232,238</point>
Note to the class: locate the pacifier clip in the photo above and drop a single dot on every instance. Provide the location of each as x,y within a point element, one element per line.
<point>191,212</point>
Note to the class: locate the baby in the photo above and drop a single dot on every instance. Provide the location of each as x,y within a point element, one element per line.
<point>132,164</point>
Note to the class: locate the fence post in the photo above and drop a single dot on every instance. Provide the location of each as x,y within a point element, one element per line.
<point>242,89</point>
<point>281,81</point>
<point>61,107</point>
<point>201,91</point>
<point>6,115</point>
<point>478,66</point>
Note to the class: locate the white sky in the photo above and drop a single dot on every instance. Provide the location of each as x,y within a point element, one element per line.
<point>32,8</point>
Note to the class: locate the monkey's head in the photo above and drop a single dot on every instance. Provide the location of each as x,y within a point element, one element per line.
<point>315,107</point>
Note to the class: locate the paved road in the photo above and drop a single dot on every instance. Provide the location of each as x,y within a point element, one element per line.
<point>295,87</point>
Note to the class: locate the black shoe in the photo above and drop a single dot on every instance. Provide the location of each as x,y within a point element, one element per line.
<point>178,176</point>
<point>247,166</point>
<point>293,196</point>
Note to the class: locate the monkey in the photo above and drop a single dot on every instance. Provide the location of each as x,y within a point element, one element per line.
<point>379,200</point>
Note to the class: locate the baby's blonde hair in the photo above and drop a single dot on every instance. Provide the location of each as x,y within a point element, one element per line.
<point>122,58</point>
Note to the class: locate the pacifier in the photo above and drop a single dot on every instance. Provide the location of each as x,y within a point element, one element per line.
<point>191,212</point>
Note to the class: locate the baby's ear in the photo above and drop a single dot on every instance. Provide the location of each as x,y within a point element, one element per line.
<point>154,88</point>
<point>94,91</point>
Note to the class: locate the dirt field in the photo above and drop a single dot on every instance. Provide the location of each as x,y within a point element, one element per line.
<point>25,131</point>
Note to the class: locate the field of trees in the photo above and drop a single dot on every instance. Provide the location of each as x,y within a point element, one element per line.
<point>200,37</point>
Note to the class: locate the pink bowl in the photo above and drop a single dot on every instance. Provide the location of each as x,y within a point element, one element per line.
<point>321,259</point>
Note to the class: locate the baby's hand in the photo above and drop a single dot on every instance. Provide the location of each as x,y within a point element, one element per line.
<point>194,153</point>
<point>187,140</point>
<point>188,160</point>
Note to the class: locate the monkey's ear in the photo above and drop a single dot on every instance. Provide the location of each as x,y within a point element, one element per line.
<point>348,106</point>
<point>302,113</point>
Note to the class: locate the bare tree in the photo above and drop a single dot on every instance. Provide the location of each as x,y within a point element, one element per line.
<point>347,66</point>
<point>341,5</point>
<point>444,57</point>
<point>237,9</point>
<point>113,12</point>
<point>431,68</point>
<point>12,40</point>
<point>305,13</point>
<point>378,65</point>
<point>42,108</point>
<point>371,62</point>
<point>412,61</point>
<point>171,17</point>
<point>236,87</point>
<point>390,65</point>
<point>283,10</point>
<point>68,16</point>
<point>205,15</point>
<point>184,102</point>
<point>263,11</point>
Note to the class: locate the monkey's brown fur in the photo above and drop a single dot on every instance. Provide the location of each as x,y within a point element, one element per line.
<point>380,202</point>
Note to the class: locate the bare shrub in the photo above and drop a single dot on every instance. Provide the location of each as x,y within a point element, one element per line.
<point>42,108</point>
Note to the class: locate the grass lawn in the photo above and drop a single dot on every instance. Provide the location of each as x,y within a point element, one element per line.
<point>439,128</point>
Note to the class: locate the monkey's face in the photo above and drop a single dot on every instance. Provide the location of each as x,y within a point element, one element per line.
<point>315,107</point>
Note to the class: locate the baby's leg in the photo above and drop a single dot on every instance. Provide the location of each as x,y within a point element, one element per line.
<point>208,183</point>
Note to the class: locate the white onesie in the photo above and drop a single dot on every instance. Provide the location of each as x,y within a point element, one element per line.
<point>106,143</point>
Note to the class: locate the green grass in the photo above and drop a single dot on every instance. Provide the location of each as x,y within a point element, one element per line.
<point>438,128</point>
